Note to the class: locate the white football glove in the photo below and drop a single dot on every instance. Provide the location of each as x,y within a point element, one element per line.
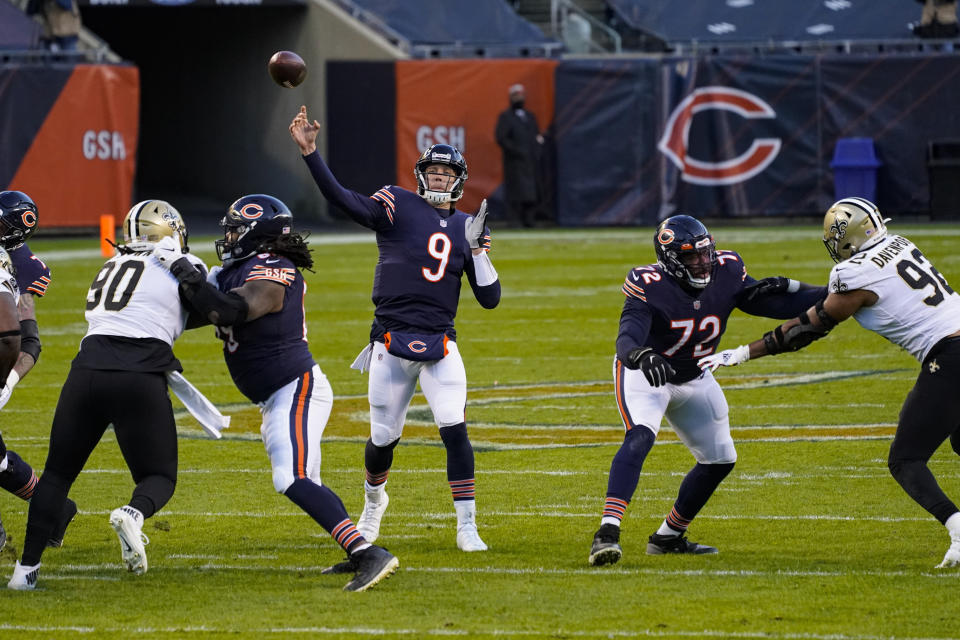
<point>7,389</point>
<point>212,274</point>
<point>727,358</point>
<point>167,251</point>
<point>474,226</point>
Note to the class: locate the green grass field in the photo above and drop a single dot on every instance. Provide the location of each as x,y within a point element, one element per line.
<point>816,539</point>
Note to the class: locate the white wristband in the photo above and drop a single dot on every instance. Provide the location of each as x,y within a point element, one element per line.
<point>793,286</point>
<point>483,268</point>
<point>13,379</point>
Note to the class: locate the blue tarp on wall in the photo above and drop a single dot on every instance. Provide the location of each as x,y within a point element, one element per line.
<point>762,20</point>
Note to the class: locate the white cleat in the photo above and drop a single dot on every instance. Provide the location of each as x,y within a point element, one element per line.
<point>128,524</point>
<point>24,578</point>
<point>374,505</point>
<point>952,557</point>
<point>468,539</point>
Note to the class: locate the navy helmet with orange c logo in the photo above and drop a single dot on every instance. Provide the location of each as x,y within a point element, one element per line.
<point>19,218</point>
<point>685,250</point>
<point>252,222</point>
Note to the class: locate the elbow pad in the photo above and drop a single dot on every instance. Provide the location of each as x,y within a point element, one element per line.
<point>800,335</point>
<point>221,309</point>
<point>30,338</point>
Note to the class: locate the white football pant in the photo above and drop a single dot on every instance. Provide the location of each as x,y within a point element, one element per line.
<point>696,410</point>
<point>294,418</point>
<point>393,381</point>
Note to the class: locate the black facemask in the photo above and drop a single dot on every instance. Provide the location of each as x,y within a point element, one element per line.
<point>517,103</point>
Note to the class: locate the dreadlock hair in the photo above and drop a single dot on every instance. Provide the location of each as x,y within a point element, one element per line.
<point>292,246</point>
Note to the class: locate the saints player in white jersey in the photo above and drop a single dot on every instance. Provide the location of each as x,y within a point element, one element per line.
<point>887,284</point>
<point>135,313</point>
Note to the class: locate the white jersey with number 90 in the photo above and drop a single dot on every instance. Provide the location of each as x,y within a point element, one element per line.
<point>133,296</point>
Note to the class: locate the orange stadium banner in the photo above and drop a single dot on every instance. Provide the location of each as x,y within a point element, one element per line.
<point>457,102</point>
<point>75,151</point>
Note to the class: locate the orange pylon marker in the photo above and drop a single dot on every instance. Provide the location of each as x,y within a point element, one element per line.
<point>108,231</point>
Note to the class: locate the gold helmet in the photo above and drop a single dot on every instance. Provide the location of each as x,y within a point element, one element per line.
<point>149,221</point>
<point>851,225</point>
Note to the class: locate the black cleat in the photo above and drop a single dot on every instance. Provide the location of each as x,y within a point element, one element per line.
<point>659,545</point>
<point>56,537</point>
<point>606,546</point>
<point>347,566</point>
<point>373,565</point>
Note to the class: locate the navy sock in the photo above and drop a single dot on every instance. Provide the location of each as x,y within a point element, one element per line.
<point>460,465</point>
<point>628,461</point>
<point>696,488</point>
<point>324,506</point>
<point>18,478</point>
<point>377,461</point>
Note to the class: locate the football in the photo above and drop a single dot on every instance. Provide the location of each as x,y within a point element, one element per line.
<point>287,69</point>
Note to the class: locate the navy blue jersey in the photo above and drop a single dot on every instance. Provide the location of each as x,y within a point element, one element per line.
<point>423,254</point>
<point>267,353</point>
<point>685,326</point>
<point>32,275</point>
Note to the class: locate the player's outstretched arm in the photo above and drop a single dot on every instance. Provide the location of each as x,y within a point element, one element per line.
<point>795,334</point>
<point>778,297</point>
<point>366,211</point>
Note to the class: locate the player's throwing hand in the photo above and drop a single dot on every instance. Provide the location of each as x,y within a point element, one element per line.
<point>303,132</point>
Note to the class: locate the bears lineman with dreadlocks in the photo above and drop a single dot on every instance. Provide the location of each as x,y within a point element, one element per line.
<point>675,312</point>
<point>890,287</point>
<point>256,303</point>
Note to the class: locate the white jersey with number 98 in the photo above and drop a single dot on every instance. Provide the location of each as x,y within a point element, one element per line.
<point>916,305</point>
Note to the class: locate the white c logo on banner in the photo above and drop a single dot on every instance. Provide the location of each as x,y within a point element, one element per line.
<point>673,144</point>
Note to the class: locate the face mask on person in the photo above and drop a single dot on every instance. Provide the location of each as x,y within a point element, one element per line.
<point>517,103</point>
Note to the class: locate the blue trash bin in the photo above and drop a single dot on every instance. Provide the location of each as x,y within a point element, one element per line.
<point>854,167</point>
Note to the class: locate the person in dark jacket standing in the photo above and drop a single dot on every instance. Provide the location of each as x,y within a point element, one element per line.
<point>518,135</point>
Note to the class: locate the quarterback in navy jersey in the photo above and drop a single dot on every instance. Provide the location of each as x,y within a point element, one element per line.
<point>426,246</point>
<point>256,303</point>
<point>19,219</point>
<point>675,313</point>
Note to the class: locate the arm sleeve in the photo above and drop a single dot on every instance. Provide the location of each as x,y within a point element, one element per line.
<point>783,306</point>
<point>635,321</point>
<point>363,210</point>
<point>487,295</point>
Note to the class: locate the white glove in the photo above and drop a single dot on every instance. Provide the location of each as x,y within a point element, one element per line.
<point>727,358</point>
<point>474,226</point>
<point>167,251</point>
<point>212,275</point>
<point>7,389</point>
